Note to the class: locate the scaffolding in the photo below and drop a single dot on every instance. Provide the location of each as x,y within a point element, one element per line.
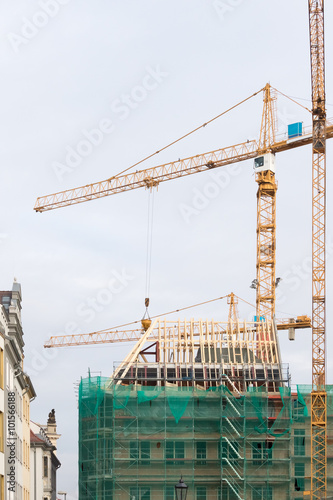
<point>234,430</point>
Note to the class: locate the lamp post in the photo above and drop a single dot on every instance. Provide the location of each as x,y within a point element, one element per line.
<point>63,493</point>
<point>181,489</point>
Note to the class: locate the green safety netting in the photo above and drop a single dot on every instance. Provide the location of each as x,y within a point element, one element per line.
<point>152,400</point>
<point>329,390</point>
<point>92,391</point>
<point>304,399</point>
<point>258,397</point>
<point>302,393</point>
<point>112,417</point>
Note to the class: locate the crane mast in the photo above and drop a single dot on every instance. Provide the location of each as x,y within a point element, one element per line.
<point>318,395</point>
<point>233,309</point>
<point>266,211</point>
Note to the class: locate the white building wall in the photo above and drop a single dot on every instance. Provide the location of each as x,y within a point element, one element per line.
<point>4,329</point>
<point>13,428</point>
<point>36,473</point>
<point>40,483</point>
<point>13,389</point>
<point>19,440</point>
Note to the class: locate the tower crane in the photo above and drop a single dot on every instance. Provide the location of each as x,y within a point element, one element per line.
<point>263,152</point>
<point>318,394</point>
<point>117,335</point>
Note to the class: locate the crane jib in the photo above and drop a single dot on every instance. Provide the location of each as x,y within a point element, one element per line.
<point>169,171</point>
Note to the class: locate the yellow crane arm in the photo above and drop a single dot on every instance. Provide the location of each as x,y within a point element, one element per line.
<point>153,176</point>
<point>113,336</point>
<point>102,337</point>
<point>148,178</point>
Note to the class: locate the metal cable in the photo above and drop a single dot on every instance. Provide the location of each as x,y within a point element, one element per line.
<point>188,134</point>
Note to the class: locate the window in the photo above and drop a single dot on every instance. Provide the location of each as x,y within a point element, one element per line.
<point>134,452</point>
<point>45,474</point>
<point>259,162</point>
<point>140,452</point>
<point>169,493</point>
<point>1,433</point>
<point>201,452</point>
<point>299,442</point>
<point>1,370</point>
<point>140,493</point>
<point>299,476</point>
<point>201,493</point>
<point>145,452</point>
<point>7,374</point>
<point>175,450</point>
<point>262,452</point>
<point>299,410</point>
<point>227,493</point>
<point>2,487</point>
<point>262,493</point>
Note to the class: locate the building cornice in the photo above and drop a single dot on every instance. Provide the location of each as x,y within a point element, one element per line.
<point>29,387</point>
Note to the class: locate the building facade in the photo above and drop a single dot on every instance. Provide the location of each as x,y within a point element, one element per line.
<point>15,397</point>
<point>43,459</point>
<point>206,400</point>
<point>27,397</point>
<point>2,405</point>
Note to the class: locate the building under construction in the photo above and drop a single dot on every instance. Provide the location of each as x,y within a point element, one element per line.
<point>210,401</point>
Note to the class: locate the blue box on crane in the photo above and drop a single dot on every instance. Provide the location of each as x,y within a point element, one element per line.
<point>295,130</point>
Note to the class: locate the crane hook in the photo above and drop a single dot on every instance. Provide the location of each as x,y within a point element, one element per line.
<point>146,321</point>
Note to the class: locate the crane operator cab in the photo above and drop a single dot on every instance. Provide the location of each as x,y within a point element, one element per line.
<point>265,162</point>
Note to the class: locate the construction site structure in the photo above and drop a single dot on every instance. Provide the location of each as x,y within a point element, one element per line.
<point>263,152</point>
<point>207,400</point>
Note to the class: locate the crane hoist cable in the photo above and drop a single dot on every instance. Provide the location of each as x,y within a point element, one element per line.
<point>303,99</point>
<point>254,306</point>
<point>150,223</point>
<point>292,99</point>
<point>165,314</point>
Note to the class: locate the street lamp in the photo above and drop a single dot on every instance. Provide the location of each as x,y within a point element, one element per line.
<point>181,489</point>
<point>63,493</point>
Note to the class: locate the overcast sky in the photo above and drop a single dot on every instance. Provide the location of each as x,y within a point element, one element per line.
<point>145,73</point>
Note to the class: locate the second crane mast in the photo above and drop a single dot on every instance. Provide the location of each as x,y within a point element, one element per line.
<point>266,211</point>
<point>318,395</point>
